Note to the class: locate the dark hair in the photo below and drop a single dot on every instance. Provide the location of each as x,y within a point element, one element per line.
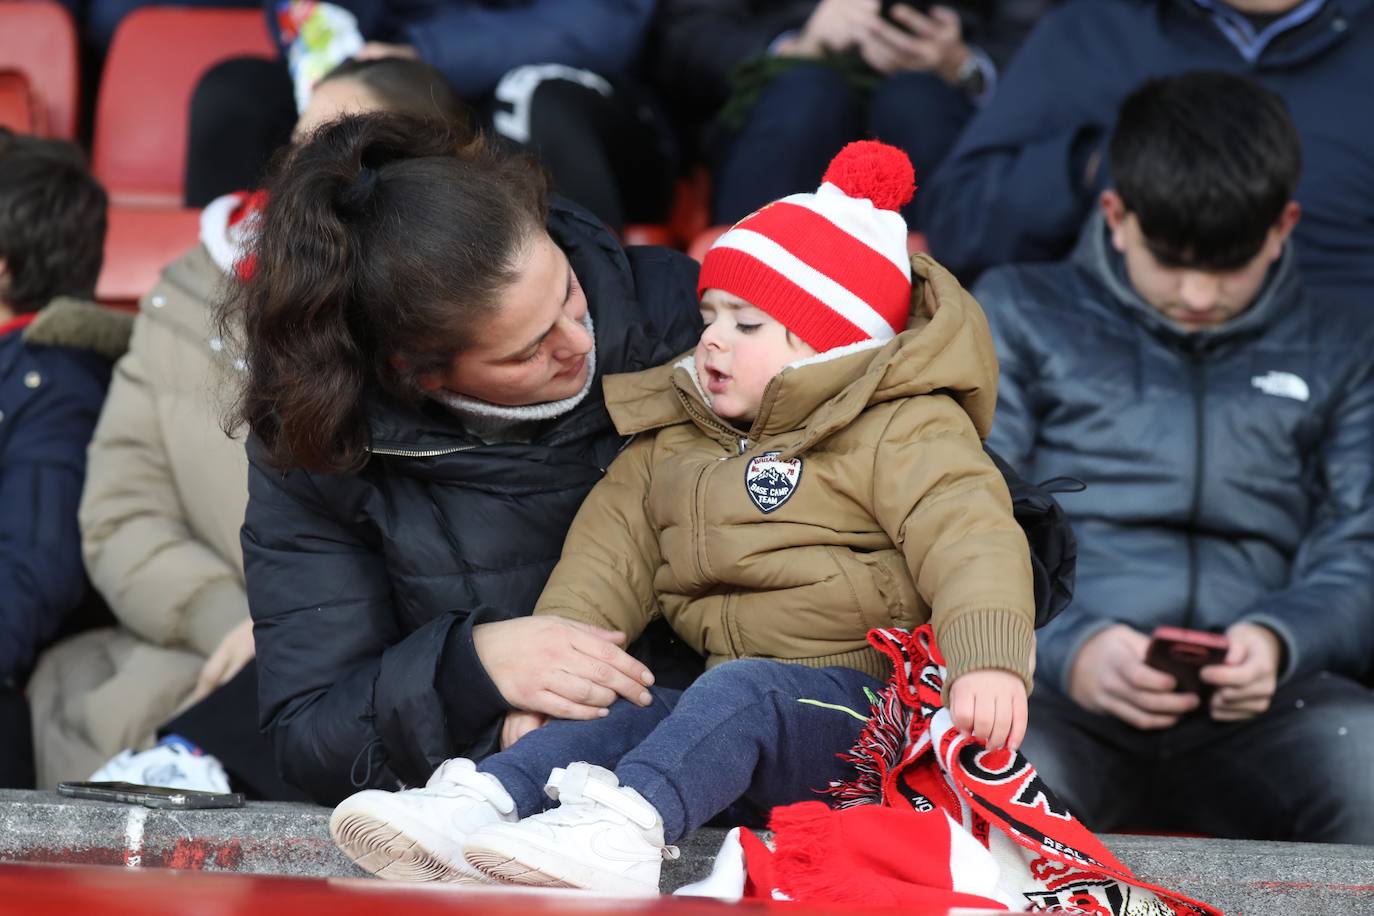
<point>384,239</point>
<point>406,86</point>
<point>1206,161</point>
<point>52,222</point>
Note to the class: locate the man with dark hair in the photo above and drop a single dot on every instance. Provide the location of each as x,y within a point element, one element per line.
<point>1223,421</point>
<point>55,353</point>
<point>1027,170</point>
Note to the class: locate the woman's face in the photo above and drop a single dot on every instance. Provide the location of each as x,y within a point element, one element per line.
<point>533,346</point>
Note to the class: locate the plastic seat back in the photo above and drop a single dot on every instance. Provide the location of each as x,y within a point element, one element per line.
<point>142,113</point>
<point>38,40</point>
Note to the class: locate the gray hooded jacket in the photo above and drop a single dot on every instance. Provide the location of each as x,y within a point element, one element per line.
<point>1229,472</point>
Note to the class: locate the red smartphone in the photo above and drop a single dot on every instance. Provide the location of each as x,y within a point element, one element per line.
<point>1183,653</point>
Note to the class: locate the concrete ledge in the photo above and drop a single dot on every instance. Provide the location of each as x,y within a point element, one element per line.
<point>1254,879</point>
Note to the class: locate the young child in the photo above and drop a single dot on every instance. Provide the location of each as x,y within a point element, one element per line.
<point>810,472</point>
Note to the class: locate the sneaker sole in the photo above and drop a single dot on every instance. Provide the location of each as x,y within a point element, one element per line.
<point>405,852</point>
<point>508,860</point>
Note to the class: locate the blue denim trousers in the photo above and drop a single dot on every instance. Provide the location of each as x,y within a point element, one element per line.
<point>747,736</point>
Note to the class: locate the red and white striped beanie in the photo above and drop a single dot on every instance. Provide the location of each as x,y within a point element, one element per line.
<point>832,266</point>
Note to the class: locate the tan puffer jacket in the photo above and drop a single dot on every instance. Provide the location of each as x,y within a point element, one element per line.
<point>861,497</point>
<point>160,517</point>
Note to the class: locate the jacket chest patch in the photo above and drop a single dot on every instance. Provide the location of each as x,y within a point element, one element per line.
<point>771,482</point>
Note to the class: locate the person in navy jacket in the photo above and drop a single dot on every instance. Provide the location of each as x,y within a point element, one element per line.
<point>1028,168</point>
<point>55,354</point>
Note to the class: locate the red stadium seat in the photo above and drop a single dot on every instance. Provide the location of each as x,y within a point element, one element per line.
<point>18,108</point>
<point>649,234</point>
<point>157,56</point>
<point>141,242</point>
<point>38,39</point>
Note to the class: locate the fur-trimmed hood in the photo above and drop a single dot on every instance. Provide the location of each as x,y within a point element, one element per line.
<point>82,325</point>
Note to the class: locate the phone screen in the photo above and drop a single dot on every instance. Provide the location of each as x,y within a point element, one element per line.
<point>920,6</point>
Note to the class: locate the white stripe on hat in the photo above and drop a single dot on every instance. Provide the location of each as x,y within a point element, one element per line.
<point>874,227</point>
<point>853,308</point>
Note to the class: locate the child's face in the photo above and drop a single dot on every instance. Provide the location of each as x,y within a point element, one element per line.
<point>740,351</point>
<point>1192,298</point>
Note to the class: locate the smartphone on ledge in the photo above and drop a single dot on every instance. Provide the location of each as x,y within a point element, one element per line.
<point>131,793</point>
<point>1184,653</point>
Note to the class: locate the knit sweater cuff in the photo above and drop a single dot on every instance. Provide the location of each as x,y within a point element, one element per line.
<point>996,638</point>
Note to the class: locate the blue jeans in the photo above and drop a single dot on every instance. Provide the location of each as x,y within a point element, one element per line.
<point>748,735</point>
<point>804,117</point>
<point>1300,771</point>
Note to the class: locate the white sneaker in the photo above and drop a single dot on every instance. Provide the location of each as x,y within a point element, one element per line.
<point>602,837</point>
<point>417,834</point>
<point>169,765</point>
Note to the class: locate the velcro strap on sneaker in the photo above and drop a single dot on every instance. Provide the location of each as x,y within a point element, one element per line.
<point>671,852</point>
<point>572,784</point>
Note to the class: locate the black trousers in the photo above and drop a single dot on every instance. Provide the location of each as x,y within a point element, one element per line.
<point>606,144</point>
<point>16,740</point>
<point>607,148</point>
<point>1301,771</point>
<point>242,112</point>
<point>225,724</point>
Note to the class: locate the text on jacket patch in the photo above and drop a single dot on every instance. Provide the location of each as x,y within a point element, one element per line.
<point>771,482</point>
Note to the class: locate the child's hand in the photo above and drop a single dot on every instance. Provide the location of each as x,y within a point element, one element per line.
<point>990,704</point>
<point>518,724</point>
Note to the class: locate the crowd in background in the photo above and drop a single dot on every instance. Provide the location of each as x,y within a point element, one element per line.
<point>1197,354</point>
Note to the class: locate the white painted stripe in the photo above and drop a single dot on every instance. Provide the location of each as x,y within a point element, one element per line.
<point>882,230</point>
<point>133,836</point>
<point>853,308</point>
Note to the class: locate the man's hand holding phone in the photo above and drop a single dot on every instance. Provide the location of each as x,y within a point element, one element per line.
<point>1246,679</point>
<point>1109,676</point>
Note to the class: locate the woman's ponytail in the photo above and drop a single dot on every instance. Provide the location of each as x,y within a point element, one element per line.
<point>363,255</point>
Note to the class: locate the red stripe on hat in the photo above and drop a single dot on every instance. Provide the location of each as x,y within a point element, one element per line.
<point>757,283</point>
<point>848,261</point>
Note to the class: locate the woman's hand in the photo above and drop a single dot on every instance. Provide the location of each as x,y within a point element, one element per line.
<point>518,724</point>
<point>990,704</point>
<point>560,668</point>
<point>234,651</point>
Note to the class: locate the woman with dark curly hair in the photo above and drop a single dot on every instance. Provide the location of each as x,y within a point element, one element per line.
<point>424,334</point>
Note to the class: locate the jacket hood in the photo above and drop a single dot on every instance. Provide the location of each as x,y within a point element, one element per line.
<point>1094,252</point>
<point>81,325</point>
<point>946,347</point>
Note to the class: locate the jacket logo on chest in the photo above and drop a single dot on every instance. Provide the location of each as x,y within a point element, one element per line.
<point>771,482</point>
<point>1282,385</point>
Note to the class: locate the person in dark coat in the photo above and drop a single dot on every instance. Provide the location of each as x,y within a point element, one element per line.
<point>55,355</point>
<point>1222,417</point>
<point>798,80</point>
<point>426,334</point>
<point>1026,171</point>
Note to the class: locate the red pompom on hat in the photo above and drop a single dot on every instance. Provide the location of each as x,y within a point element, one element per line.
<point>831,266</point>
<point>876,171</point>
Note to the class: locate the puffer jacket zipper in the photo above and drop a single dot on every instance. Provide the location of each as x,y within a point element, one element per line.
<point>420,453</point>
<point>1197,376</point>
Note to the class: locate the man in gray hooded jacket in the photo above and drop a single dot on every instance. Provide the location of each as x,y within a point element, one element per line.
<point>1223,421</point>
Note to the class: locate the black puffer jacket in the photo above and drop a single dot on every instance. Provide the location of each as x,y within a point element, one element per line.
<point>364,588</point>
<point>1230,473</point>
